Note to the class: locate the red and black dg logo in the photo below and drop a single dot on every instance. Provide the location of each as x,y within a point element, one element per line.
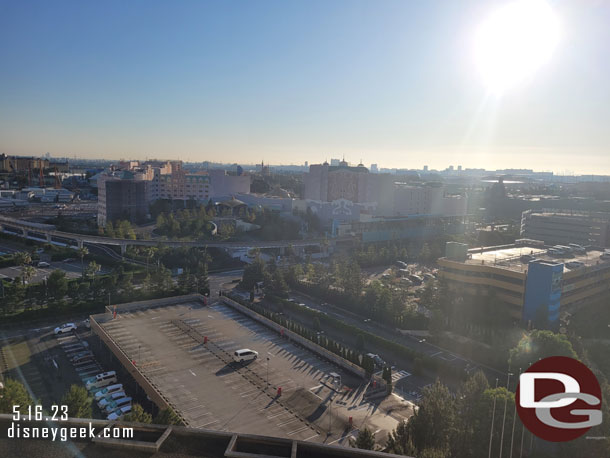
<point>559,399</point>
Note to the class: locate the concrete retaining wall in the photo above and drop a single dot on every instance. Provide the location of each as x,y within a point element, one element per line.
<point>140,305</point>
<point>354,369</point>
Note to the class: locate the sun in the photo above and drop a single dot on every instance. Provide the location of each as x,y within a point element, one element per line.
<point>514,42</point>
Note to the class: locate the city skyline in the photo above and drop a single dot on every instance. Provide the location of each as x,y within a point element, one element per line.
<point>393,83</point>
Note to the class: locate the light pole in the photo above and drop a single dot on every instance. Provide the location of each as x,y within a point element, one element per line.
<point>493,416</point>
<point>512,435</point>
<point>504,416</point>
<point>330,414</point>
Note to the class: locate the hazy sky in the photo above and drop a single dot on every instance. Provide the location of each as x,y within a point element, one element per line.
<point>390,82</point>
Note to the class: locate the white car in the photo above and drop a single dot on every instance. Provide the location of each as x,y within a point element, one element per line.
<point>108,390</point>
<point>68,327</point>
<point>245,354</point>
<point>118,413</point>
<point>109,399</point>
<point>44,264</point>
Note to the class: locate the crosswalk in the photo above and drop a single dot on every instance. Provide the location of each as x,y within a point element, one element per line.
<point>396,376</point>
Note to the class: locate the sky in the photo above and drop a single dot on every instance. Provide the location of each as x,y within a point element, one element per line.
<point>387,82</point>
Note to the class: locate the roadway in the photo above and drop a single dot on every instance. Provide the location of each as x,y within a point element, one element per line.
<point>415,343</point>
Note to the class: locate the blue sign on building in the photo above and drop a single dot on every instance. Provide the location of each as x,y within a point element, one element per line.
<point>543,294</point>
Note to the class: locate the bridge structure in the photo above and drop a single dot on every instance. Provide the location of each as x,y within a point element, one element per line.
<point>48,233</point>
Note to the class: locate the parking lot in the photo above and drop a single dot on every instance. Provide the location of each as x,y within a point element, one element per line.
<point>210,391</point>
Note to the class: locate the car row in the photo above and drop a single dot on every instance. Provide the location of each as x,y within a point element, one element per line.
<point>109,395</point>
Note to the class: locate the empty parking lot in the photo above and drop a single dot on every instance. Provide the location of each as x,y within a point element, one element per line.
<point>210,391</point>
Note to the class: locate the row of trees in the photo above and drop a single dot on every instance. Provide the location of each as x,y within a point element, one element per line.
<point>119,229</point>
<point>342,283</point>
<point>193,223</point>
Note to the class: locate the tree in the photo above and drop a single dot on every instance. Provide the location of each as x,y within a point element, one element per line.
<point>360,341</point>
<point>470,433</point>
<point>78,401</point>
<point>425,254</point>
<point>399,440</point>
<point>278,284</point>
<point>365,440</point>
<point>253,274</point>
<point>167,417</point>
<point>432,423</point>
<point>537,345</point>
<point>82,252</point>
<point>14,394</point>
<point>23,259</point>
<point>138,415</point>
<point>57,284</point>
<point>92,269</point>
<point>150,252</point>
<point>27,273</point>
<point>202,282</point>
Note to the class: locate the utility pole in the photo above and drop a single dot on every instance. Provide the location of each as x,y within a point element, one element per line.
<point>493,416</point>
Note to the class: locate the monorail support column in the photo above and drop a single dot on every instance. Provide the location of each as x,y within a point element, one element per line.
<point>123,249</point>
<point>79,242</point>
<point>49,240</point>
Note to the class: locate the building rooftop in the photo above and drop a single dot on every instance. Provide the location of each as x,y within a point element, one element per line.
<point>510,257</point>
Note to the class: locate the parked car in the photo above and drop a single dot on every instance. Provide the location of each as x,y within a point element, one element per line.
<point>69,260</point>
<point>82,357</point>
<point>122,402</point>
<point>110,399</point>
<point>44,264</point>
<point>117,414</point>
<point>64,328</point>
<point>101,380</point>
<point>108,390</point>
<point>245,354</point>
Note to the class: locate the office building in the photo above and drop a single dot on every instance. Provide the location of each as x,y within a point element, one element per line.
<point>564,227</point>
<point>536,284</point>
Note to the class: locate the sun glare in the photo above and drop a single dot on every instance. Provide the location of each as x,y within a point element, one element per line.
<point>514,42</point>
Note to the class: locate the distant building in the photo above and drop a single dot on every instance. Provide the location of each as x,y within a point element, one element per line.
<point>21,163</point>
<point>334,162</point>
<point>379,192</point>
<point>374,168</point>
<point>425,168</point>
<point>564,227</point>
<point>121,197</point>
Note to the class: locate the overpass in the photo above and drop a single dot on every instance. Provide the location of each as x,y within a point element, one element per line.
<point>49,234</point>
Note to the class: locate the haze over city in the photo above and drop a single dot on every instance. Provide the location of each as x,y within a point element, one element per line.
<point>399,84</point>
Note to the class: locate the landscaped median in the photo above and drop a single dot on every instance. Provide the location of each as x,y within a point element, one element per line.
<point>433,365</point>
